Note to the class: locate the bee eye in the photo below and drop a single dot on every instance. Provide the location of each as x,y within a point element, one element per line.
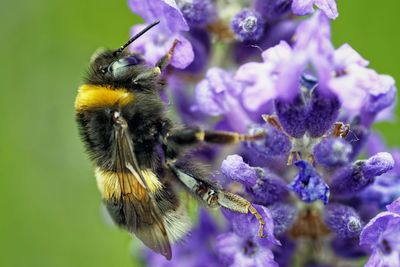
<point>134,60</point>
<point>103,69</point>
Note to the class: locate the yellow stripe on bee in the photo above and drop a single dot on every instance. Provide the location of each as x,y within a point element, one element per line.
<point>110,188</point>
<point>96,96</point>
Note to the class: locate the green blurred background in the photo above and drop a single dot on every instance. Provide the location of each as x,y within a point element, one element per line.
<point>49,203</point>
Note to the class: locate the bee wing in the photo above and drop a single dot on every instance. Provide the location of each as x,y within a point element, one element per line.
<point>142,215</point>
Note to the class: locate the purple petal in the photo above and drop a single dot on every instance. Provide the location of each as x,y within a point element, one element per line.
<point>345,56</point>
<point>166,11</point>
<point>234,168</point>
<point>314,40</point>
<point>265,257</point>
<point>247,225</point>
<point>212,92</point>
<point>372,232</point>
<point>205,99</point>
<point>183,54</point>
<point>308,184</point>
<point>394,207</point>
<point>352,88</point>
<point>329,8</point>
<point>260,78</point>
<point>377,165</point>
<point>305,7</point>
<point>227,245</point>
<point>302,7</point>
<point>315,29</point>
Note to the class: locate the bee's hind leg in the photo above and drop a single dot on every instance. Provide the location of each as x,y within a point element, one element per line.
<point>211,194</point>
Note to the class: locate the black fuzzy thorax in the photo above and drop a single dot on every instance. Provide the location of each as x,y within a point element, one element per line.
<point>146,122</point>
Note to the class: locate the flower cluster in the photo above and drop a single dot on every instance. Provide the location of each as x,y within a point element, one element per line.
<point>320,177</point>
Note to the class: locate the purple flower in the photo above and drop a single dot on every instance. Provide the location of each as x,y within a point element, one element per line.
<point>353,81</point>
<point>305,7</point>
<point>237,170</point>
<point>242,246</point>
<point>217,94</point>
<point>381,235</point>
<point>379,100</point>
<point>247,25</point>
<point>260,78</point>
<point>157,42</point>
<point>308,184</point>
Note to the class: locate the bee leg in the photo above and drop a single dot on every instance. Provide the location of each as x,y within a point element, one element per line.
<point>194,135</point>
<point>211,194</point>
<point>153,73</point>
<point>164,61</point>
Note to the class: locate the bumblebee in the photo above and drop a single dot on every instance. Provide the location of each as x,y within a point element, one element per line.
<point>139,152</point>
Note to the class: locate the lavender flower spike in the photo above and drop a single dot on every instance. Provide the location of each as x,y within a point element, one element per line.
<point>308,184</point>
<point>378,165</point>
<point>381,234</point>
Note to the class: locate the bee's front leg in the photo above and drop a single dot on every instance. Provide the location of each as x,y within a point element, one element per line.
<point>212,195</point>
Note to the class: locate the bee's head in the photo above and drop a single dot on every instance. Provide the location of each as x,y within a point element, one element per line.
<point>116,66</point>
<point>109,65</point>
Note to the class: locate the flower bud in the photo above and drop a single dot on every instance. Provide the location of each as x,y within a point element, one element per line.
<point>292,116</point>
<point>342,220</point>
<point>283,216</point>
<point>332,152</point>
<point>272,9</point>
<point>269,188</point>
<point>355,177</point>
<point>198,12</point>
<point>322,113</point>
<point>274,143</point>
<point>247,25</point>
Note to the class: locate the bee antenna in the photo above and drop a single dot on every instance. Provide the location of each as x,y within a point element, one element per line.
<point>119,50</point>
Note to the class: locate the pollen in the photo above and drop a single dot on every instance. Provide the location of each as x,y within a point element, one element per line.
<point>96,96</point>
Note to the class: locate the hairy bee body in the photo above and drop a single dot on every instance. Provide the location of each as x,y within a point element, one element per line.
<point>137,150</point>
